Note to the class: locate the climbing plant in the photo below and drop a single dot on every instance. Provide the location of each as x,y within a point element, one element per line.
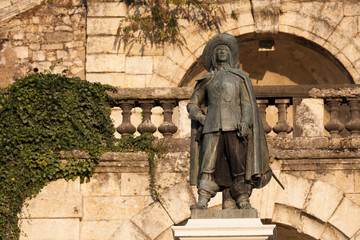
<point>158,21</point>
<point>41,116</point>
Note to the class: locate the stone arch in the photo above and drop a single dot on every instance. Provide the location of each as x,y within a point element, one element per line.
<point>16,7</point>
<point>311,207</point>
<point>327,24</point>
<point>331,30</point>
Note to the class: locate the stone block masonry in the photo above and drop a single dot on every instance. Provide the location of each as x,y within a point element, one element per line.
<point>38,37</point>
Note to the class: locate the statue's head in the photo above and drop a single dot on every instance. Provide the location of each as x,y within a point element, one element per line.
<point>221,56</point>
<point>220,49</point>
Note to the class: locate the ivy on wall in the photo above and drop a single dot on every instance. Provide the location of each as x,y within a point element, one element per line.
<point>41,115</point>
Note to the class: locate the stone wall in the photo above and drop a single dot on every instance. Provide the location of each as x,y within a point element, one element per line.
<point>38,37</point>
<point>332,28</point>
<point>321,197</point>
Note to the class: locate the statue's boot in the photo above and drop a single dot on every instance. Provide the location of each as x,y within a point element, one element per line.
<point>207,189</point>
<point>204,198</point>
<point>241,191</point>
<point>243,202</point>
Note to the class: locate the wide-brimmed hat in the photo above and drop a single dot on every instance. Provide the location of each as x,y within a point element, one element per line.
<point>221,39</point>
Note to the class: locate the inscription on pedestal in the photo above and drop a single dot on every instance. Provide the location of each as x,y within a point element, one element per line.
<point>226,213</point>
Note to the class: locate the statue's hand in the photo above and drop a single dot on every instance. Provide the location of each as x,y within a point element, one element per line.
<point>201,119</point>
<point>244,128</point>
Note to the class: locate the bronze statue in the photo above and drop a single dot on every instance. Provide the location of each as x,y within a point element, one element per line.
<point>228,144</point>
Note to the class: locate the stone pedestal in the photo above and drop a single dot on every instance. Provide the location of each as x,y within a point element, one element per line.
<point>224,225</point>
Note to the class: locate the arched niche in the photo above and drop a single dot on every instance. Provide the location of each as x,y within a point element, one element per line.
<point>294,61</point>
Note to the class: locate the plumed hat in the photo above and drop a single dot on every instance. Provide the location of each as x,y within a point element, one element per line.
<point>221,39</point>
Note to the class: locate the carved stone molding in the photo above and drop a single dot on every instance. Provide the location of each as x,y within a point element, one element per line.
<point>266,15</point>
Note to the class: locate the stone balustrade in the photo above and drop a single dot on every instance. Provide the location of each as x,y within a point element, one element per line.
<point>297,110</point>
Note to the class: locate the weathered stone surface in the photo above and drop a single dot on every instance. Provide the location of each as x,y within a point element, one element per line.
<point>96,26</point>
<point>135,81</point>
<point>153,220</point>
<point>156,81</point>
<point>59,199</point>
<point>143,49</point>
<point>331,233</point>
<point>62,54</point>
<point>286,215</point>
<point>54,229</point>
<point>177,200</point>
<point>169,179</point>
<point>154,93</point>
<point>184,121</point>
<point>309,118</point>
<point>166,235</point>
<point>105,63</point>
<point>114,79</point>
<point>355,197</point>
<point>346,217</point>
<point>311,227</point>
<point>39,55</point>
<point>102,185</point>
<point>322,200</point>
<point>22,52</point>
<point>52,46</point>
<point>342,179</point>
<point>56,37</point>
<point>351,9</point>
<point>103,44</point>
<point>139,65</point>
<point>352,52</point>
<point>135,184</point>
<point>296,191</point>
<point>332,12</point>
<point>128,231</point>
<point>94,230</point>
<point>357,182</point>
<point>113,208</point>
<point>108,9</point>
<point>5,3</point>
<point>266,15</point>
<point>356,236</point>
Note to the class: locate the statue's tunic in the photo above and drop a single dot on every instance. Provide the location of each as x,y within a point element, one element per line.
<point>227,101</point>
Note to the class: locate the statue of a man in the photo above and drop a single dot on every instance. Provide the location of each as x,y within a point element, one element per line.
<point>228,148</point>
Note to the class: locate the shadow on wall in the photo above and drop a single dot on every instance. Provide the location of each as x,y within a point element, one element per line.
<point>294,61</point>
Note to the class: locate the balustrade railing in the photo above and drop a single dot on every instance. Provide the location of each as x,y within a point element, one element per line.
<point>316,110</point>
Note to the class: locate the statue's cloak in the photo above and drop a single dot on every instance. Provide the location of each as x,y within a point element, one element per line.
<point>258,172</point>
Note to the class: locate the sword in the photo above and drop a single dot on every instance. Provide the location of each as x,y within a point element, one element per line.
<point>277,180</point>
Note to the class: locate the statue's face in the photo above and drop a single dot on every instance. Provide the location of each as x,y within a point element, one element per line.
<point>222,53</point>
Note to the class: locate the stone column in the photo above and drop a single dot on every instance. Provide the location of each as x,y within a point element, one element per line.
<point>334,126</point>
<point>282,128</point>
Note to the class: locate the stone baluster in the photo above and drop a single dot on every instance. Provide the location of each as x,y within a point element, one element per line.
<point>334,126</point>
<point>354,124</point>
<point>167,128</point>
<point>146,125</point>
<point>126,128</point>
<point>282,128</point>
<point>262,104</point>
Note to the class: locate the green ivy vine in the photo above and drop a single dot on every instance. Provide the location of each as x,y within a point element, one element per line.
<point>42,115</point>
